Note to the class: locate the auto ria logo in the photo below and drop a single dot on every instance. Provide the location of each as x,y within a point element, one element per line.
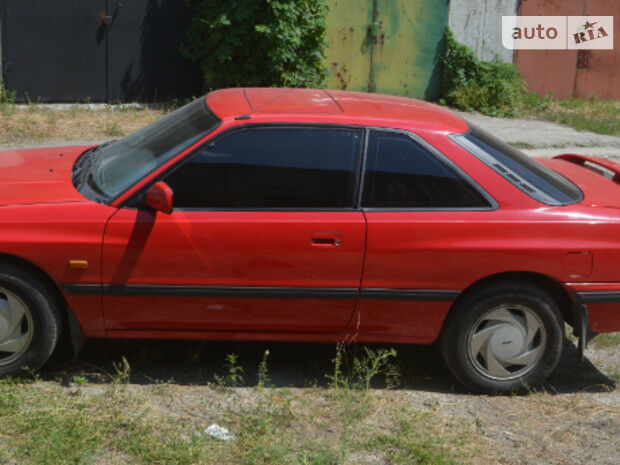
<point>558,32</point>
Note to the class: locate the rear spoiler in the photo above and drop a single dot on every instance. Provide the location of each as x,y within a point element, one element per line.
<point>583,159</point>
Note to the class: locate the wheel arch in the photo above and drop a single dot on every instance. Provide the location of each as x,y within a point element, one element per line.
<point>555,289</point>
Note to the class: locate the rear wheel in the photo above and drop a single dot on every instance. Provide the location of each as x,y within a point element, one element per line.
<point>29,322</point>
<point>503,338</point>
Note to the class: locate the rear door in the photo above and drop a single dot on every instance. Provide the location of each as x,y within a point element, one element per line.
<point>264,237</point>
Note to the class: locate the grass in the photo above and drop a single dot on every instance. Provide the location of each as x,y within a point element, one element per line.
<point>46,423</point>
<point>35,124</point>
<point>593,114</point>
<point>81,414</point>
<point>606,340</point>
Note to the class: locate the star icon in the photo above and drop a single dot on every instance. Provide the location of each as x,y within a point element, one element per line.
<point>588,25</point>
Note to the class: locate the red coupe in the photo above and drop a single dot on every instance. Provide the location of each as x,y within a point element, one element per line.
<point>311,215</point>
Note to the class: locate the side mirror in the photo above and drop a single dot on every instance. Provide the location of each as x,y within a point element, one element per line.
<point>159,197</point>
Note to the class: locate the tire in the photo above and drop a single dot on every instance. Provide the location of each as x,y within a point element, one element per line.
<point>503,338</point>
<point>28,340</point>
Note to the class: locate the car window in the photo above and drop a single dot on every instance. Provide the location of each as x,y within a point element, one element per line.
<point>118,165</point>
<point>401,173</point>
<point>533,178</point>
<point>271,168</point>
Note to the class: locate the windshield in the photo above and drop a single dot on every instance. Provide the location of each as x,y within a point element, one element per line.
<point>118,165</point>
<point>533,178</point>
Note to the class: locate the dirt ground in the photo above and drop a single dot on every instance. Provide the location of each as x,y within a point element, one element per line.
<point>572,419</point>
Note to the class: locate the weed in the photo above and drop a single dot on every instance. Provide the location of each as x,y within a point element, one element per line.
<point>122,372</point>
<point>263,375</point>
<point>80,380</point>
<point>113,130</point>
<point>234,373</point>
<point>7,100</point>
<point>359,371</point>
<point>7,97</point>
<point>373,363</point>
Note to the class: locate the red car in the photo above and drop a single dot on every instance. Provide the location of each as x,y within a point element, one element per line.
<point>311,215</point>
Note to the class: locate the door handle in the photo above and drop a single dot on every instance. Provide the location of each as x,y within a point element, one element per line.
<point>326,239</point>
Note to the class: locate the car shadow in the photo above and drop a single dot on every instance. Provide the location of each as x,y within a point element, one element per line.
<point>289,365</point>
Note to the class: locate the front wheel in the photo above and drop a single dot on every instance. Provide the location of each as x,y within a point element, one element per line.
<point>503,338</point>
<point>29,322</point>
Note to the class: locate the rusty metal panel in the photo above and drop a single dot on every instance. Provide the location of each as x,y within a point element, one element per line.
<point>408,47</point>
<point>388,46</point>
<point>348,55</point>
<point>571,73</point>
<point>598,71</point>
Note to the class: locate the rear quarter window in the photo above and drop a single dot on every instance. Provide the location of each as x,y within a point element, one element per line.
<point>536,180</point>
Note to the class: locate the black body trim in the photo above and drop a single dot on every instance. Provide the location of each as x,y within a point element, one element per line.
<point>82,289</point>
<point>213,291</point>
<point>409,294</point>
<point>599,297</point>
<point>260,292</point>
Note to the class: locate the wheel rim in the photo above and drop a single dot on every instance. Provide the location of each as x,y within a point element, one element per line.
<point>506,342</point>
<point>16,327</point>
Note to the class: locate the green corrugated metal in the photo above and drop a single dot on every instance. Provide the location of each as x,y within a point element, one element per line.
<point>387,46</point>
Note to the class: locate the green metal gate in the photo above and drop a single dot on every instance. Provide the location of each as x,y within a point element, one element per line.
<point>387,46</point>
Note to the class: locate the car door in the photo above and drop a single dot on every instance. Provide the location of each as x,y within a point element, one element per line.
<point>264,236</point>
<point>423,216</point>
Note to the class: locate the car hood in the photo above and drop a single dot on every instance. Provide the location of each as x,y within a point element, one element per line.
<point>592,175</point>
<point>43,175</point>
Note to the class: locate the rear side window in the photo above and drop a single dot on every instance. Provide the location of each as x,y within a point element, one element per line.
<point>272,168</point>
<point>533,178</point>
<point>400,173</point>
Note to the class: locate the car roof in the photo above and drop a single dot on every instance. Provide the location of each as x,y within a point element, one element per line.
<point>332,106</point>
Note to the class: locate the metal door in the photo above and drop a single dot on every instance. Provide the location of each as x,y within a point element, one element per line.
<point>387,46</point>
<point>54,50</point>
<point>99,50</point>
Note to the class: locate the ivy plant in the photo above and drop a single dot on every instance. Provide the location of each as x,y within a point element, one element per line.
<point>258,42</point>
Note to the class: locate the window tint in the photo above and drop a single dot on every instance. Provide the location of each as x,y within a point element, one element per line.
<point>272,168</point>
<point>533,178</point>
<point>400,173</point>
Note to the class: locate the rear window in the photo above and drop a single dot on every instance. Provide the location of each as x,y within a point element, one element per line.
<point>533,178</point>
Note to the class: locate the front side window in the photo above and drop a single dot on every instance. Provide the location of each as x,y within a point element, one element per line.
<point>533,178</point>
<point>271,168</point>
<point>400,173</point>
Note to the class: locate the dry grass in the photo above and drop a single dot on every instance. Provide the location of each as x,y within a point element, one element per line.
<point>36,124</point>
<point>593,114</point>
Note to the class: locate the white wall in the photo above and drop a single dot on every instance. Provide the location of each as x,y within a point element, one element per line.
<point>478,24</point>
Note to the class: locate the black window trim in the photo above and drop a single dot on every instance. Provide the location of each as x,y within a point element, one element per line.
<point>136,201</point>
<point>492,203</point>
<point>137,198</point>
<point>506,173</point>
